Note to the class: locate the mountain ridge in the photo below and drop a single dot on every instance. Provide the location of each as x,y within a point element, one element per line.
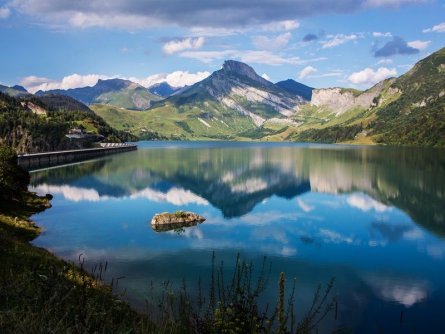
<point>117,92</point>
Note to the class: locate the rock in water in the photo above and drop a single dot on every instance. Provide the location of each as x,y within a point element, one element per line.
<point>171,221</point>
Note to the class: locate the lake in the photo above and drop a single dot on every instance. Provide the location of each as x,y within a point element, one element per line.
<point>373,218</point>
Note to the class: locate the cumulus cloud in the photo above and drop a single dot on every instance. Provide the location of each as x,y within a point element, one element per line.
<point>130,14</point>
<point>306,71</point>
<point>310,37</point>
<point>370,77</point>
<point>419,45</point>
<point>272,43</point>
<point>397,46</point>
<point>176,46</point>
<point>335,40</point>
<point>381,34</point>
<point>34,83</point>
<point>175,79</point>
<point>4,12</point>
<point>437,28</point>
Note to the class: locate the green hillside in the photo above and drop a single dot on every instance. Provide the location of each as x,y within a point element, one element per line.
<point>25,130</point>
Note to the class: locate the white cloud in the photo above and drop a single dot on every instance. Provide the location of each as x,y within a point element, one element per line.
<point>265,76</point>
<point>33,83</point>
<point>285,25</point>
<point>385,61</point>
<point>306,71</point>
<point>381,34</point>
<point>437,28</point>
<point>175,79</point>
<point>419,45</point>
<point>182,45</point>
<point>366,203</point>
<point>272,43</point>
<point>369,76</point>
<point>4,12</point>
<point>335,40</point>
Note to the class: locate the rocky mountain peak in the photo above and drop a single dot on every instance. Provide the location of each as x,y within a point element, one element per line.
<point>241,69</point>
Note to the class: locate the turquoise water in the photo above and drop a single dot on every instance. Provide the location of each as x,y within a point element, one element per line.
<point>372,217</point>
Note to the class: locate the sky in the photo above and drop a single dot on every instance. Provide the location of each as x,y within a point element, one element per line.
<point>50,44</point>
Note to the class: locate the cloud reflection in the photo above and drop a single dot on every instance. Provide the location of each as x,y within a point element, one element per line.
<point>366,203</point>
<point>176,196</point>
<point>406,292</point>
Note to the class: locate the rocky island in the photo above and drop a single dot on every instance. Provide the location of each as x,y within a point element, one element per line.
<point>165,221</point>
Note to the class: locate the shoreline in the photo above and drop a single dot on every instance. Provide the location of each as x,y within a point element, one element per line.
<point>43,293</point>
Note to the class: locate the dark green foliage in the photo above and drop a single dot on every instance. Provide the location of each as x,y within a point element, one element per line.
<point>232,305</point>
<point>261,132</point>
<point>56,102</point>
<point>417,117</point>
<point>27,132</point>
<point>13,179</point>
<point>183,125</point>
<point>332,134</point>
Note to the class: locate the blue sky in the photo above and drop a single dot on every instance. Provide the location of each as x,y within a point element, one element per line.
<point>49,44</point>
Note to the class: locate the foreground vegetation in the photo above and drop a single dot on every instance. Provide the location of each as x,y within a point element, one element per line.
<point>43,294</point>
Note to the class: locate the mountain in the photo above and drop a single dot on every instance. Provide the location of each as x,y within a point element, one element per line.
<point>14,90</point>
<point>409,110</point>
<point>296,88</point>
<point>232,103</point>
<point>163,89</point>
<point>116,92</point>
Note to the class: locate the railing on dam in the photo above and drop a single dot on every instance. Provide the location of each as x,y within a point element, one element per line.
<point>48,159</point>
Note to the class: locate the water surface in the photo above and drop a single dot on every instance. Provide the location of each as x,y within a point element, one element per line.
<point>372,217</point>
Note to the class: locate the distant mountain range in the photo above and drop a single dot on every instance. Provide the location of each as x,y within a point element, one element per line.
<point>116,92</point>
<point>163,89</point>
<point>235,103</point>
<point>14,90</point>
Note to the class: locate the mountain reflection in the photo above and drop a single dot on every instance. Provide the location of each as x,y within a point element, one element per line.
<point>236,179</point>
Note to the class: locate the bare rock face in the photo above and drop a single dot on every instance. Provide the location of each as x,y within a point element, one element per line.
<point>341,100</point>
<point>171,221</point>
